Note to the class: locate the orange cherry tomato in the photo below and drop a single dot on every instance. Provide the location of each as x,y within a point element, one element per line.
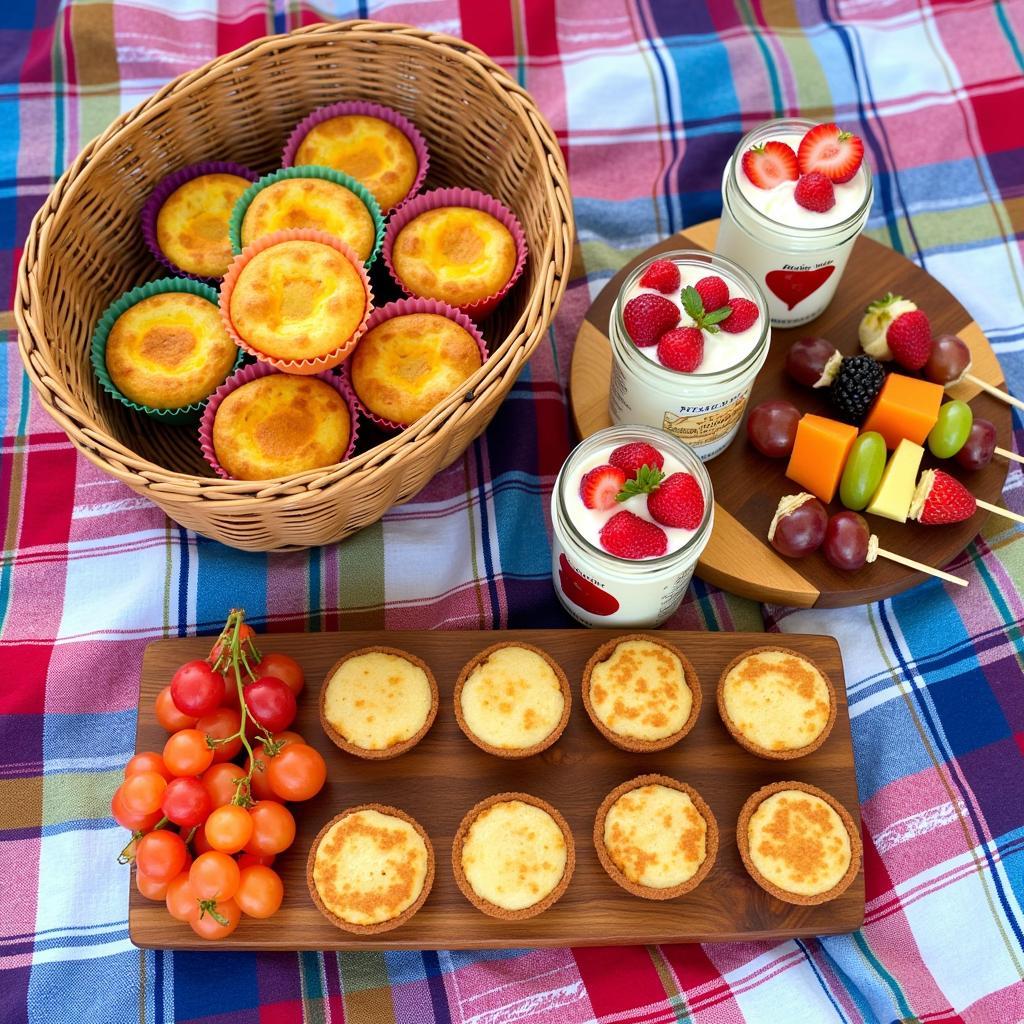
<point>297,773</point>
<point>186,752</point>
<point>167,713</point>
<point>288,670</point>
<point>219,725</point>
<point>247,860</point>
<point>181,900</point>
<point>147,761</point>
<point>228,828</point>
<point>149,888</point>
<point>260,891</point>
<point>206,926</point>
<point>220,782</point>
<point>161,855</point>
<point>214,876</point>
<point>273,827</point>
<point>143,792</point>
<point>129,819</point>
<point>260,781</point>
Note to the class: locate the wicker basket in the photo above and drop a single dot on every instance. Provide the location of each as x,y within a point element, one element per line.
<point>85,247</point>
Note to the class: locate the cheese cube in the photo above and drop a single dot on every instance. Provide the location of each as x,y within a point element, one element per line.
<point>896,489</point>
<point>819,454</point>
<point>906,408</point>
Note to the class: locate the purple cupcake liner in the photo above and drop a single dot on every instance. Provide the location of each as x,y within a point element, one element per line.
<point>412,208</point>
<point>366,109</point>
<point>159,195</point>
<point>253,372</point>
<point>405,307</point>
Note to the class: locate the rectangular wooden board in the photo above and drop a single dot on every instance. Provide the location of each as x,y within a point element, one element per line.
<point>441,778</point>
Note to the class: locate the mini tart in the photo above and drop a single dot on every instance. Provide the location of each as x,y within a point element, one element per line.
<point>406,365</point>
<point>674,824</point>
<point>169,350</point>
<point>378,702</point>
<point>512,700</point>
<point>798,843</point>
<point>370,869</point>
<point>503,841</point>
<point>627,702</point>
<point>280,424</point>
<point>457,254</point>
<point>776,703</point>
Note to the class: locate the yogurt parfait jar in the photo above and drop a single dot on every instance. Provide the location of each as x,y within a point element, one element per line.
<point>702,408</point>
<point>796,255</point>
<point>599,588</point>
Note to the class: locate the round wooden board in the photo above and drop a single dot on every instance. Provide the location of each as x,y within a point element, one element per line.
<point>748,486</point>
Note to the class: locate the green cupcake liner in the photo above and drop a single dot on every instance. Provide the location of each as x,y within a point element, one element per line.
<point>98,354</point>
<point>308,171</point>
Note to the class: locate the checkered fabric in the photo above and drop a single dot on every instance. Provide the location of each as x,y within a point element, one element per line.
<point>648,99</point>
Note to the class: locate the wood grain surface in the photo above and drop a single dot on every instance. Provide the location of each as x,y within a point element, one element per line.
<point>748,486</point>
<point>441,778</point>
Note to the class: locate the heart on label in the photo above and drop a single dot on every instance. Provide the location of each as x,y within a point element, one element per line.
<point>793,286</point>
<point>584,594</point>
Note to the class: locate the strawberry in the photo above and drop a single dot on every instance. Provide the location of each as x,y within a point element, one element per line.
<point>827,150</point>
<point>910,339</point>
<point>600,485</point>
<point>770,164</point>
<point>744,314</point>
<point>630,457</point>
<point>681,349</point>
<point>647,317</point>
<point>941,499</point>
<point>662,276</point>
<point>626,535</point>
<point>815,192</point>
<point>678,502</point>
<point>714,292</point>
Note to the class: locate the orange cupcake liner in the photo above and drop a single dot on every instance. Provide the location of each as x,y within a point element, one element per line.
<point>309,366</point>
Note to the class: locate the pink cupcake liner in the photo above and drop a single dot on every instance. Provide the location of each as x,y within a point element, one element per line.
<point>157,198</point>
<point>366,109</point>
<point>458,197</point>
<point>306,366</point>
<point>253,372</point>
<point>404,307</point>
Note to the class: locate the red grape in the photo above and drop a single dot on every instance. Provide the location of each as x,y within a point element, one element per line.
<point>806,361</point>
<point>977,450</point>
<point>771,427</point>
<point>846,541</point>
<point>949,361</point>
<point>798,528</point>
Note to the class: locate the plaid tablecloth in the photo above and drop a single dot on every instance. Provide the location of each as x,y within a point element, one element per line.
<point>648,100</point>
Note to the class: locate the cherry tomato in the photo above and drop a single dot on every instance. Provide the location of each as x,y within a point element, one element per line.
<point>273,827</point>
<point>271,703</point>
<point>228,828</point>
<point>288,670</point>
<point>220,781</point>
<point>260,783</point>
<point>297,773</point>
<point>180,899</point>
<point>260,891</point>
<point>196,689</point>
<point>161,855</point>
<point>142,793</point>
<point>150,889</point>
<point>219,725</point>
<point>129,819</point>
<point>168,715</point>
<point>214,876</point>
<point>186,752</point>
<point>206,926</point>
<point>186,802</point>
<point>247,860</point>
<point>147,761</point>
<point>231,691</point>
<point>200,843</point>
<point>245,634</point>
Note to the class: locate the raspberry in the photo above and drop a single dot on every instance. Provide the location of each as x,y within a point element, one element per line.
<point>815,192</point>
<point>647,317</point>
<point>682,349</point>
<point>744,314</point>
<point>714,292</point>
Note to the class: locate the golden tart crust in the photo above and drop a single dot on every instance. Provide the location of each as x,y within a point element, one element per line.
<point>281,424</point>
<point>797,828</point>
<point>408,881</point>
<point>405,366</point>
<point>771,698</point>
<point>169,350</point>
<point>454,253</point>
<point>192,223</point>
<point>629,858</point>
<point>375,153</point>
<point>495,688</point>
<point>632,711</point>
<point>497,832</point>
<point>360,703</point>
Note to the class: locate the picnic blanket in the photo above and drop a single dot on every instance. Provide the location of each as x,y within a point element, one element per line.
<point>648,99</point>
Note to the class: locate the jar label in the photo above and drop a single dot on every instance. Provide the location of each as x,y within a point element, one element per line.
<point>702,428</point>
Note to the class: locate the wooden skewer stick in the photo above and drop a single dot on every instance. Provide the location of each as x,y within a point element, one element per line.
<point>874,551</point>
<point>991,389</point>
<point>1009,455</point>
<point>999,511</point>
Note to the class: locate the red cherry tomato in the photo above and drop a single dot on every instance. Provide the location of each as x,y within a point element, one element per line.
<point>288,670</point>
<point>219,725</point>
<point>206,926</point>
<point>169,715</point>
<point>200,843</point>
<point>297,773</point>
<point>221,781</point>
<point>271,703</point>
<point>231,690</point>
<point>247,860</point>
<point>161,855</point>
<point>129,819</point>
<point>273,827</point>
<point>186,802</point>
<point>186,752</point>
<point>143,792</point>
<point>196,689</point>
<point>147,761</point>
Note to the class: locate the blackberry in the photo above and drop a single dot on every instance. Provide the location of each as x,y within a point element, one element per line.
<point>857,383</point>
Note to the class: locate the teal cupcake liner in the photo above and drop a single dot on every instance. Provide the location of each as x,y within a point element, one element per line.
<point>328,174</point>
<point>98,353</point>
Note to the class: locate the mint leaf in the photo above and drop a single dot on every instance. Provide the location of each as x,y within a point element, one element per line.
<point>646,480</point>
<point>717,316</point>
<point>693,304</point>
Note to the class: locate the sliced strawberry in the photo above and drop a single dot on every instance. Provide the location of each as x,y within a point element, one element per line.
<point>815,192</point>
<point>630,457</point>
<point>830,151</point>
<point>647,317</point>
<point>678,502</point>
<point>770,164</point>
<point>714,292</point>
<point>662,276</point>
<point>681,349</point>
<point>628,536</point>
<point>599,486</point>
<point>744,314</point>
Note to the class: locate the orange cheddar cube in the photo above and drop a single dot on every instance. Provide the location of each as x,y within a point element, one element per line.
<point>819,454</point>
<point>906,409</point>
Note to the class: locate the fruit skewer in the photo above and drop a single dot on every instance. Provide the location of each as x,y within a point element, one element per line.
<point>940,499</point>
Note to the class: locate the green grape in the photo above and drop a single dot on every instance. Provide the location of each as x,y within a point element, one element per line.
<point>863,470</point>
<point>951,429</point>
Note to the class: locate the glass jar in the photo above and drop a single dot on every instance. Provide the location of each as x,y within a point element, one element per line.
<point>601,589</point>
<point>703,410</point>
<point>797,266</point>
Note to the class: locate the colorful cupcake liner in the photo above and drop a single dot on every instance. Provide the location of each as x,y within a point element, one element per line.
<point>307,367</point>
<point>98,351</point>
<point>286,173</point>
<point>405,307</point>
<point>246,375</point>
<point>159,195</point>
<point>412,208</point>
<point>361,107</point>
